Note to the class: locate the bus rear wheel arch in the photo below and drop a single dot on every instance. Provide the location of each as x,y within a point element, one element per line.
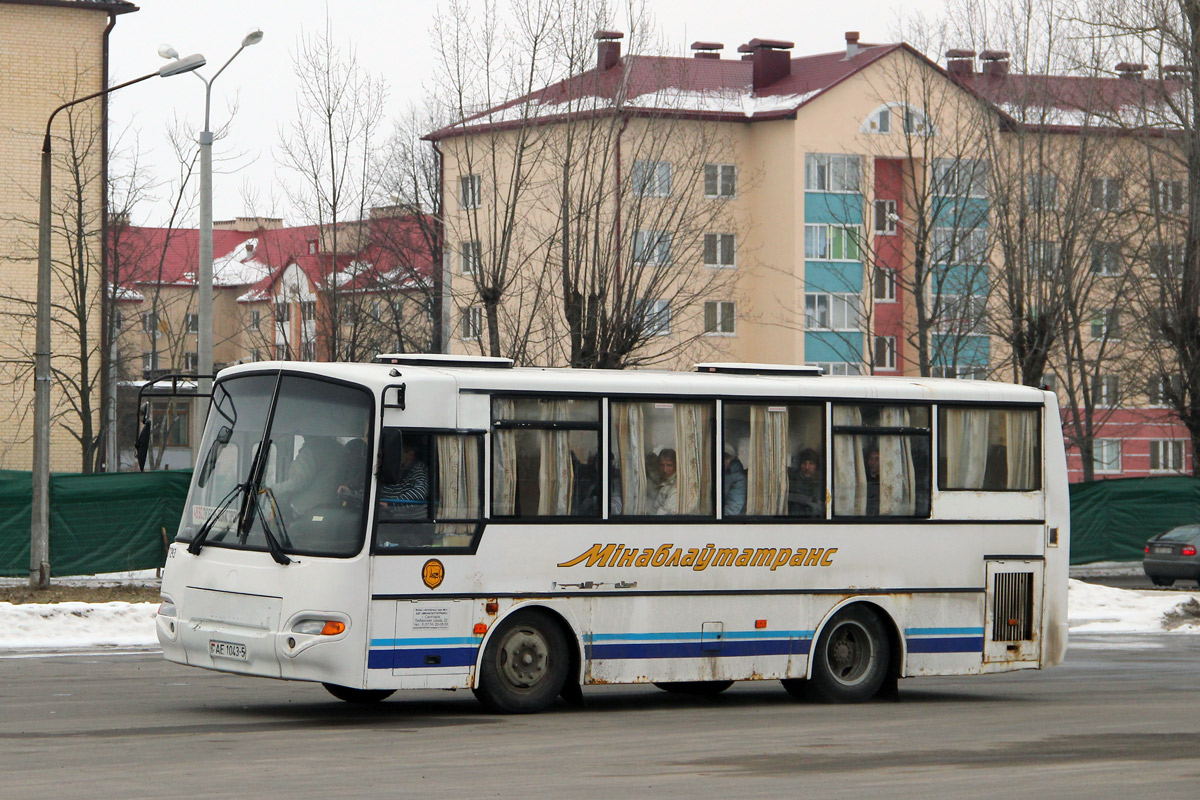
<point>852,659</point>
<point>525,665</point>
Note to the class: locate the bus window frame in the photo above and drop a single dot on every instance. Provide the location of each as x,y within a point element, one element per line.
<point>1040,444</point>
<point>866,430</point>
<point>480,523</point>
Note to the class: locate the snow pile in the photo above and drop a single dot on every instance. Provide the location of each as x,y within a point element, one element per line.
<point>1102,609</point>
<point>57,625</point>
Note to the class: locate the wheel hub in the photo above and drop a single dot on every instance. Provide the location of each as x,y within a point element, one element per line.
<point>523,658</point>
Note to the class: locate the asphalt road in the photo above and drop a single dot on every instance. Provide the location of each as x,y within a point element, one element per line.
<point>1120,719</point>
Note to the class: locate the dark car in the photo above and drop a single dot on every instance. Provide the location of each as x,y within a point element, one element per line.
<point>1173,555</point>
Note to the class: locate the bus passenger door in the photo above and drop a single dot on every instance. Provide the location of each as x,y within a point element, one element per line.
<point>1013,620</point>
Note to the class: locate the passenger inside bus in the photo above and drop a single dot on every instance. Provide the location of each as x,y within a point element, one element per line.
<point>871,462</point>
<point>313,477</point>
<point>733,485</point>
<point>806,485</point>
<point>403,479</point>
<point>666,501</point>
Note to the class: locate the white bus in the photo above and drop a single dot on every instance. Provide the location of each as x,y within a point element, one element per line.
<point>455,523</point>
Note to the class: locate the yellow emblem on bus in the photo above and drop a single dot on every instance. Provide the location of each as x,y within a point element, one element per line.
<point>432,573</point>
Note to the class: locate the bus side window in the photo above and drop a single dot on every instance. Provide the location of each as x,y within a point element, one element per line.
<point>881,463</point>
<point>546,457</point>
<point>772,464</point>
<point>428,490</point>
<point>1008,462</point>
<point>663,454</point>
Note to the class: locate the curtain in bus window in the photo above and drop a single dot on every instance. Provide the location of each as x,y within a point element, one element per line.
<point>897,478</point>
<point>766,483</point>
<point>458,488</point>
<point>629,435</point>
<point>694,457</point>
<point>1021,444</point>
<point>504,463</point>
<point>849,466</point>
<point>965,450</point>
<point>555,473</point>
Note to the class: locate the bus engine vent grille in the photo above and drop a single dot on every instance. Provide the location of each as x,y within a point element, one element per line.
<point>1012,606</point>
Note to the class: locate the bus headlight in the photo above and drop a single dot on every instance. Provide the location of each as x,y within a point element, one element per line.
<point>167,608</point>
<point>319,627</point>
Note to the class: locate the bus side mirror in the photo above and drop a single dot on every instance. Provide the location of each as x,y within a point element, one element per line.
<point>142,446</point>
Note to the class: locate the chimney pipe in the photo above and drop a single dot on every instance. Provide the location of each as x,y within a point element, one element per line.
<point>707,49</point>
<point>1130,71</point>
<point>747,52</point>
<point>960,62</point>
<point>770,61</point>
<point>608,49</point>
<point>995,62</point>
<point>851,44</point>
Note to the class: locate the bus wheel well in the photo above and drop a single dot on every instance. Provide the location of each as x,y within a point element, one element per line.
<point>572,691</point>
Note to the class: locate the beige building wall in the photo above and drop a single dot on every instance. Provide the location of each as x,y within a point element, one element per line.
<point>48,55</point>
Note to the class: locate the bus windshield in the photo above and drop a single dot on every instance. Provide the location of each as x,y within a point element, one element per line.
<point>315,475</point>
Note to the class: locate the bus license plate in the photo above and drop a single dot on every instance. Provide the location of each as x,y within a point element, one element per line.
<point>219,649</point>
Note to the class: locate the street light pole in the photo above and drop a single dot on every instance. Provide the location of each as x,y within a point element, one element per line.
<point>39,544</point>
<point>204,276</point>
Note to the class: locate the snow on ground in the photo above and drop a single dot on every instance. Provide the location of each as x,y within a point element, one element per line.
<point>1092,609</point>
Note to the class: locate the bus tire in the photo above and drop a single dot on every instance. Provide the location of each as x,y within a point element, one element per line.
<point>695,688</point>
<point>362,697</point>
<point>524,664</point>
<point>850,660</point>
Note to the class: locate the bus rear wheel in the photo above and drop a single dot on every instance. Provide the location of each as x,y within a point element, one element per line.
<point>362,697</point>
<point>524,664</point>
<point>697,688</point>
<point>850,660</point>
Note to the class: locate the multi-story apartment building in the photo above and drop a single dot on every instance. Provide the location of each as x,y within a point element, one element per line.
<point>847,209</point>
<point>51,52</point>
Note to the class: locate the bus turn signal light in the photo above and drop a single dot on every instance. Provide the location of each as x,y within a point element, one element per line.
<point>480,628</point>
<point>760,623</point>
<point>333,628</point>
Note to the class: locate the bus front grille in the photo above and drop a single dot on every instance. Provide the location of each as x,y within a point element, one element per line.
<point>1012,606</point>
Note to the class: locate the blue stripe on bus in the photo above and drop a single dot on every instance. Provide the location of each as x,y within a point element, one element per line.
<point>946,644</point>
<point>943,631</point>
<point>425,642</point>
<point>414,659</point>
<point>724,649</point>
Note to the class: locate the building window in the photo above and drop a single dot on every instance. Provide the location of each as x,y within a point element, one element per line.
<point>720,250</point>
<point>1106,455</point>
<point>1106,258</point>
<point>836,367</point>
<point>1165,260</point>
<point>1043,258</point>
<point>193,323</point>
<point>831,242</point>
<point>1041,192</point>
<point>1166,455</point>
<point>885,352</point>
<point>149,363</point>
<point>960,177</point>
<point>950,245</point>
<point>652,247</point>
<point>1166,197</point>
<point>255,354</point>
<point>1106,325</point>
<point>882,122</point>
<point>308,310</point>
<point>169,422</point>
<point>1160,389</point>
<point>469,191</point>
<point>832,173</point>
<point>884,284</point>
<point>1106,194</point>
<point>719,317</point>
<point>150,323</point>
<point>472,322</point>
<point>720,180</point>
<point>281,352</point>
<point>1105,390</point>
<point>655,317</point>
<point>308,351</point>
<point>652,178</point>
<point>312,247</point>
<point>962,314</point>
<point>885,217</point>
<point>471,256</point>
<point>283,311</point>
<point>191,362</point>
<point>832,312</point>
<point>255,318</point>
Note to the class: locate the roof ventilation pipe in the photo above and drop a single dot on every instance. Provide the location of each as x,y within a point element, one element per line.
<point>995,62</point>
<point>960,62</point>
<point>771,61</point>
<point>1130,71</point>
<point>608,49</point>
<point>707,49</point>
<point>851,44</point>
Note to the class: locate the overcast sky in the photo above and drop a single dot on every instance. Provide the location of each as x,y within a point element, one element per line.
<point>392,40</point>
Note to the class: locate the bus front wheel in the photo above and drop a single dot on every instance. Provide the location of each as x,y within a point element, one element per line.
<point>524,664</point>
<point>362,697</point>
<point>850,660</point>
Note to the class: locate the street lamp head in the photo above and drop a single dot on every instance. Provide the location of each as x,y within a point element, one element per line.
<point>253,37</point>
<point>181,65</point>
<point>168,52</point>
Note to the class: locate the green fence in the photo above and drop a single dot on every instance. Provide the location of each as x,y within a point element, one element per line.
<point>98,523</point>
<point>1111,520</point>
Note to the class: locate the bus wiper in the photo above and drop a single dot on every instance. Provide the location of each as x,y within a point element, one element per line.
<point>202,534</point>
<point>272,543</point>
